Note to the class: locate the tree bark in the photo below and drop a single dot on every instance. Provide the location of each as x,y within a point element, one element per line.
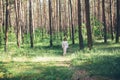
<point>6,25</point>
<point>73,41</point>
<point>88,26</point>
<point>18,19</point>
<point>104,21</point>
<point>31,23</point>
<point>81,45</point>
<point>1,22</point>
<point>50,22</point>
<point>118,21</point>
<point>60,26</point>
<point>3,17</point>
<point>111,27</point>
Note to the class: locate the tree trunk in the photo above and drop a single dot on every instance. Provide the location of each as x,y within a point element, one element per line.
<point>73,41</point>
<point>104,21</point>
<point>81,45</point>
<point>0,15</point>
<point>69,22</point>
<point>98,9</point>
<point>18,19</point>
<point>50,22</point>
<point>111,27</point>
<point>88,26</point>
<point>118,21</point>
<point>31,23</point>
<point>60,26</point>
<point>6,25</point>
<point>1,22</point>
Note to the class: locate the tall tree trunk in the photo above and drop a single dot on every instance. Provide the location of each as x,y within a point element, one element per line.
<point>111,27</point>
<point>60,26</point>
<point>79,26</point>
<point>22,21</point>
<point>57,18</point>
<point>118,21</point>
<point>50,22</point>
<point>31,23</point>
<point>1,22</point>
<point>0,15</point>
<point>98,9</point>
<point>69,22</point>
<point>73,41</point>
<point>88,26</point>
<point>104,21</point>
<point>18,19</point>
<point>6,25</point>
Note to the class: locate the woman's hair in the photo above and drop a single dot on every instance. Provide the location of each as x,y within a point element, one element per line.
<point>65,39</point>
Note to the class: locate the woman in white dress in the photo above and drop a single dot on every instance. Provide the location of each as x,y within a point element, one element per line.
<point>64,46</point>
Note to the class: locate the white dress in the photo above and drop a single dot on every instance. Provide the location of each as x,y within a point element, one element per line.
<point>64,44</point>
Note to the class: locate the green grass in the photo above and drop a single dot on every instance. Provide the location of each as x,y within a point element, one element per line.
<point>47,63</point>
<point>103,60</point>
<point>34,71</point>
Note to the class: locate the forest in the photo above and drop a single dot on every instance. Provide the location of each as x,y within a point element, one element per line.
<point>32,33</point>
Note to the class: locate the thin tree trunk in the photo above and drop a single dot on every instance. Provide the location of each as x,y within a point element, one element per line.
<point>69,22</point>
<point>60,26</point>
<point>79,26</point>
<point>31,23</point>
<point>98,9</point>
<point>73,41</point>
<point>18,20</point>
<point>0,15</point>
<point>111,27</point>
<point>6,25</point>
<point>3,20</point>
<point>50,22</point>
<point>118,21</point>
<point>57,18</point>
<point>88,26</point>
<point>104,21</point>
<point>9,22</point>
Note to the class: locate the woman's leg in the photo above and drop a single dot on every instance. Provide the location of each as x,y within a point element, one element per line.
<point>64,51</point>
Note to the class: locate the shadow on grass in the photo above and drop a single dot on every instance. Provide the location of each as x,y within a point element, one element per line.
<point>108,47</point>
<point>106,66</point>
<point>56,73</point>
<point>3,72</point>
<point>35,71</point>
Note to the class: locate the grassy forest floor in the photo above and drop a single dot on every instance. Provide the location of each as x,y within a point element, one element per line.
<point>45,63</point>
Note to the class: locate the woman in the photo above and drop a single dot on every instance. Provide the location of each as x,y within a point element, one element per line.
<point>64,46</point>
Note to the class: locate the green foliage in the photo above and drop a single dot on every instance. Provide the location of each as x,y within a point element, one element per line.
<point>11,37</point>
<point>26,38</point>
<point>97,27</point>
